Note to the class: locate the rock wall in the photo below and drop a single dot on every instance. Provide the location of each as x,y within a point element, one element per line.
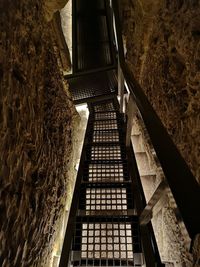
<point>36,128</point>
<point>163,50</point>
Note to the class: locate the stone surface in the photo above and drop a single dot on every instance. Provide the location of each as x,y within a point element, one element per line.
<point>51,6</point>
<point>66,22</point>
<point>36,132</point>
<point>172,239</point>
<point>60,44</point>
<point>78,138</point>
<point>163,50</point>
<point>196,251</point>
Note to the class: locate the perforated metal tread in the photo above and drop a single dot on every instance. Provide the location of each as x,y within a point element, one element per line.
<point>102,197</point>
<point>109,241</point>
<point>103,107</point>
<point>93,85</point>
<point>106,151</point>
<point>103,171</point>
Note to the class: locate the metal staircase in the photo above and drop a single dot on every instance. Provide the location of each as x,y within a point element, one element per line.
<point>106,226</point>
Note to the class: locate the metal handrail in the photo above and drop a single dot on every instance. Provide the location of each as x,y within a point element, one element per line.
<point>184,186</point>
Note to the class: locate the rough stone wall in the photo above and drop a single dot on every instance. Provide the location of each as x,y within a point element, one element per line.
<point>163,50</point>
<point>35,136</point>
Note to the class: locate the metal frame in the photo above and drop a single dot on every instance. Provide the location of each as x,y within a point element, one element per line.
<point>74,42</point>
<point>88,87</point>
<point>149,211</point>
<point>99,202</point>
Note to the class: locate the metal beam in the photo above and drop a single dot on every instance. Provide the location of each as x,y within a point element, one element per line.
<point>95,98</point>
<point>155,203</point>
<point>86,72</point>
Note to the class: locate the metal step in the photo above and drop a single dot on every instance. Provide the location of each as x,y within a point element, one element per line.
<point>106,241</point>
<point>106,171</point>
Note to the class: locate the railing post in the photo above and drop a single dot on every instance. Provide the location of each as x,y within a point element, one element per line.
<point>130,112</point>
<point>121,87</point>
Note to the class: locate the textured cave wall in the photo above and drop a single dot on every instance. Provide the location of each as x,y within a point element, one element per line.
<point>36,128</point>
<point>163,51</point>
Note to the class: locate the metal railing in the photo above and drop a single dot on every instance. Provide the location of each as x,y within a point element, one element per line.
<point>184,186</point>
